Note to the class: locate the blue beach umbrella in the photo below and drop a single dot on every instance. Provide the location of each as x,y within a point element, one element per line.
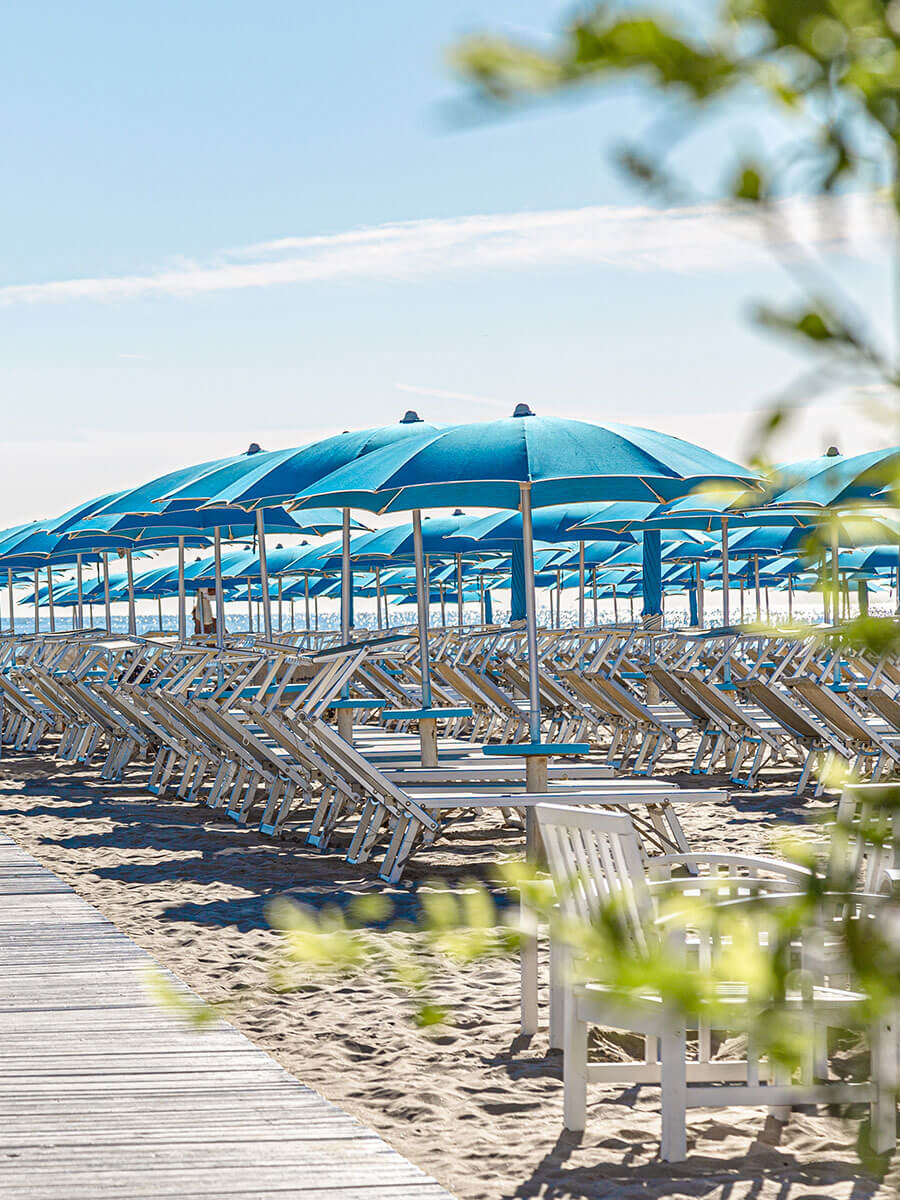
<point>551,524</point>
<point>523,461</point>
<point>836,480</point>
<point>279,475</point>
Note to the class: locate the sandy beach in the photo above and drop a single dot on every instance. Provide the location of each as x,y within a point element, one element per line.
<point>475,1105</point>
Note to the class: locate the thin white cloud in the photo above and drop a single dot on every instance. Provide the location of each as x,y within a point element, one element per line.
<point>443,394</point>
<point>708,237</point>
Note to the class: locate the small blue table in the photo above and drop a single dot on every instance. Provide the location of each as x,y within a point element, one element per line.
<point>424,714</point>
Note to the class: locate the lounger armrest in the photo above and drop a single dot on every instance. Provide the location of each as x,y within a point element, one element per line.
<point>749,862</point>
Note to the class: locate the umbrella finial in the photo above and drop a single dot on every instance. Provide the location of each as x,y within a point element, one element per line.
<point>254,448</point>
<point>410,417</point>
<point>523,410</point>
<point>832,452</point>
<point>458,512</point>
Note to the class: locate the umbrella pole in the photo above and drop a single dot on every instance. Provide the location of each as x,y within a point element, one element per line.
<point>422,609</point>
<point>280,607</point>
<point>835,573</point>
<point>726,607</point>
<point>768,617</point>
<point>581,585</point>
<point>159,612</point>
<point>346,582</point>
<point>443,606</point>
<point>292,614</point>
<point>480,596</point>
<point>699,596</point>
<point>741,586</point>
<point>132,614</point>
<point>459,592</point>
<point>317,613</point>
<point>12,601</point>
<point>50,599</point>
<point>220,595</point>
<point>615,606</point>
<point>378,597</point>
<point>106,603</point>
<point>631,607</point>
<point>182,597</point>
<point>249,605</point>
<point>37,619</point>
<point>534,685</point>
<point>79,575</point>
<point>306,582</point>
<point>263,572</point>
<point>756,586</point>
<point>862,595</point>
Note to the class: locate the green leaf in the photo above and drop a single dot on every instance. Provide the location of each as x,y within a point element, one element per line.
<point>748,185</point>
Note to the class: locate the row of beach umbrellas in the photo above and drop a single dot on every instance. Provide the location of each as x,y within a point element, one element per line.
<point>593,491</point>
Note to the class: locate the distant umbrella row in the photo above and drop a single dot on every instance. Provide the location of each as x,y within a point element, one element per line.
<point>600,507</point>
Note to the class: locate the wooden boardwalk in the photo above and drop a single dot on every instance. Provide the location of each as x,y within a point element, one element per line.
<point>103,1094</point>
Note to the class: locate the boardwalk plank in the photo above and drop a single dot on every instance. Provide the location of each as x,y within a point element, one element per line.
<point>105,1096</point>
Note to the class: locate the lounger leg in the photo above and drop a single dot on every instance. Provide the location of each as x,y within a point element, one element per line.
<point>370,821</point>
<point>266,823</point>
<point>239,811</point>
<point>199,775</point>
<point>885,1079</point>
<point>557,1032</point>
<point>219,784</point>
<point>575,1034</point>
<point>189,764</point>
<point>673,1080</point>
<point>161,755</point>
<point>528,968</point>
<point>805,773</point>
<point>392,871</point>
<point>313,836</point>
<point>696,768</point>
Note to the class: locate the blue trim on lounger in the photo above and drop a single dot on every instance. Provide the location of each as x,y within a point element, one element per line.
<point>538,749</point>
<point>424,714</point>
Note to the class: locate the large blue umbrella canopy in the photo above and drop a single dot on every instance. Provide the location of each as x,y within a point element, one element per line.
<point>231,522</point>
<point>147,497</point>
<point>870,558</point>
<point>838,480</point>
<point>486,463</point>
<point>852,529</point>
<point>439,537</point>
<point>79,512</point>
<point>32,546</point>
<point>703,511</point>
<point>277,476</point>
<point>556,523</point>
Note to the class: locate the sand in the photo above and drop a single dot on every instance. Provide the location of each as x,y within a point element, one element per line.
<point>476,1105</point>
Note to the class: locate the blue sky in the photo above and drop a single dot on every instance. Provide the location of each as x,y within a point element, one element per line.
<point>226,221</point>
